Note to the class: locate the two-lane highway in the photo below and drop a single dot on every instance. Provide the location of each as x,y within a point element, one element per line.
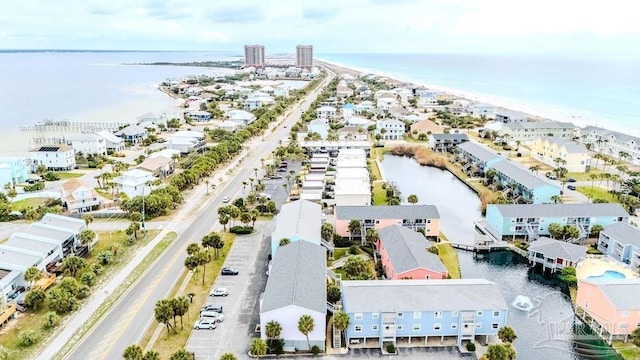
<point>129,318</point>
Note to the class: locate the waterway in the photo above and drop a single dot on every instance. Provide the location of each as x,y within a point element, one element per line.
<point>546,331</point>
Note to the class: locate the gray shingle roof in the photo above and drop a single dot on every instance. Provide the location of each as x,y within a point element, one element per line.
<point>561,210</point>
<point>540,125</point>
<point>421,295</point>
<point>299,218</point>
<point>571,146</point>
<point>66,222</point>
<point>407,250</point>
<point>452,137</point>
<point>387,212</point>
<point>609,133</point>
<point>131,130</point>
<point>297,277</point>
<point>623,233</point>
<point>556,249</point>
<point>618,292</point>
<point>520,175</point>
<point>479,151</point>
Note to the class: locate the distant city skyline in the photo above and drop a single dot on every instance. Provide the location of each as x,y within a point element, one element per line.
<point>403,26</point>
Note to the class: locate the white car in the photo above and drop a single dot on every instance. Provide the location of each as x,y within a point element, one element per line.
<point>205,323</point>
<point>212,315</point>
<point>219,292</point>
<point>226,199</point>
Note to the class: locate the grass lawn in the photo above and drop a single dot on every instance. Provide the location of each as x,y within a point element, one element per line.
<point>583,176</point>
<point>627,350</point>
<point>31,202</point>
<point>104,193</point>
<point>340,252</point>
<point>168,344</point>
<point>379,194</point>
<point>449,257</point>
<point>32,320</point>
<point>68,175</point>
<point>597,193</point>
<point>375,170</point>
<point>415,139</point>
<point>378,152</point>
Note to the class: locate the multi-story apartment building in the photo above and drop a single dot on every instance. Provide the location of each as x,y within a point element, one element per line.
<point>254,56</point>
<point>296,221</point>
<point>390,129</point>
<point>527,132</point>
<point>304,56</point>
<point>621,241</point>
<point>54,157</point>
<point>611,143</point>
<point>574,156</point>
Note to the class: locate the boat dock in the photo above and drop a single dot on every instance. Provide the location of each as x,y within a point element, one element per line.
<point>67,126</point>
<point>485,242</point>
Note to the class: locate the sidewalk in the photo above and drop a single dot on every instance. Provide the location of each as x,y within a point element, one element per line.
<point>101,294</point>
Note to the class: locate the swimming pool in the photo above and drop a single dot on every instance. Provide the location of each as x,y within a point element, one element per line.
<point>609,275</point>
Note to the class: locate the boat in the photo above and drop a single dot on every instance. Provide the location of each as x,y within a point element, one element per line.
<point>522,303</point>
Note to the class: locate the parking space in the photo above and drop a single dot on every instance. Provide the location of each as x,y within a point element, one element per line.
<point>240,307</point>
<point>274,187</point>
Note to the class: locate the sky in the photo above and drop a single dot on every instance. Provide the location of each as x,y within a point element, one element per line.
<point>332,26</point>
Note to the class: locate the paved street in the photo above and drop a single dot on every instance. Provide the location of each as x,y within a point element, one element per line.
<point>117,329</point>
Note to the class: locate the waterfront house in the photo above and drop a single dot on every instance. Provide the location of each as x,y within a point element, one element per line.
<point>533,220</point>
<point>390,129</point>
<point>548,149</point>
<point>508,116</point>
<point>296,286</point>
<point>112,142</point>
<point>359,173</point>
<point>352,192</point>
<point>241,118</point>
<point>54,157</point>
<point>377,217</point>
<point>609,306</point>
<point>15,170</point>
<point>422,312</point>
<point>527,132</point>
<point>133,134</point>
<point>297,220</point>
<point>159,166</point>
<point>621,241</point>
<point>135,182</point>
<point>88,144</point>
<point>446,142</point>
<point>554,255</point>
<point>403,255</point>
<point>79,197</point>
<point>611,143</point>
<point>320,127</point>
<point>326,112</point>
<point>476,157</point>
<point>480,109</point>
<point>199,116</point>
<point>522,183</point>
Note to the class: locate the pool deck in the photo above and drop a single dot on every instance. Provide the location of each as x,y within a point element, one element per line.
<point>595,266</point>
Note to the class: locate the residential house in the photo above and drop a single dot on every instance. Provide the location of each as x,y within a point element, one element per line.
<point>88,144</point>
<point>159,166</point>
<point>112,142</point>
<point>412,118</point>
<point>348,133</point>
<point>610,307</point>
<point>446,142</point>
<point>359,122</point>
<point>54,157</point>
<point>527,132</point>
<point>377,217</point>
<point>184,144</point>
<point>281,91</point>
<point>199,115</point>
<point>386,103</point>
<point>352,154</point>
<point>404,255</point>
<point>533,220</point>
<point>360,174</point>
<point>228,125</point>
<point>135,182</point>
<point>366,105</point>
<point>422,312</point>
<point>346,163</point>
<point>189,134</point>
<point>522,183</point>
<point>152,118</point>
<point>508,116</point>
<point>320,127</point>
<point>133,134</point>
<point>476,156</point>
<point>15,170</point>
<point>554,255</point>
<point>168,153</point>
<point>334,146</point>
<point>611,143</point>
<point>241,118</point>
<point>297,220</point>
<point>352,192</point>
<point>326,112</point>
<point>426,127</point>
<point>390,129</point>
<point>573,156</point>
<point>257,100</point>
<point>621,241</point>
<point>79,197</point>
<point>296,287</point>
<point>348,110</point>
<point>480,109</point>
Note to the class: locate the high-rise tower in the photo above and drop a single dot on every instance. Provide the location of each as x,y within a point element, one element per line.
<point>304,56</point>
<point>254,56</point>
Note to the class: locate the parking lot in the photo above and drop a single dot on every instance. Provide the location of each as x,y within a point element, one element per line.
<point>274,187</point>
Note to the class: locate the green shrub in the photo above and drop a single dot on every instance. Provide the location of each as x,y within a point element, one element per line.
<point>391,349</point>
<point>434,250</point>
<point>315,349</point>
<point>51,320</point>
<point>340,241</point>
<point>35,187</point>
<point>353,250</point>
<point>51,176</point>
<point>241,230</point>
<point>471,346</point>
<point>28,337</point>
<point>368,250</point>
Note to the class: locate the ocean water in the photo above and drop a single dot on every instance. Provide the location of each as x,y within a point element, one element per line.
<point>85,86</point>
<point>586,90</point>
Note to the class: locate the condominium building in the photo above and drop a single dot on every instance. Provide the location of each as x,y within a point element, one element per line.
<point>304,56</point>
<point>254,56</point>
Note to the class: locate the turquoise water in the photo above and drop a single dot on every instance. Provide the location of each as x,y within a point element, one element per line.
<point>609,275</point>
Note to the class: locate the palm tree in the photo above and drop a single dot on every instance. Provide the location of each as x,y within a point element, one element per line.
<point>507,334</point>
<point>557,199</point>
<point>371,236</point>
<point>305,326</point>
<point>180,307</point>
<point>412,199</point>
<point>593,178</point>
<point>354,227</point>
<point>284,241</point>
<point>132,352</point>
<point>151,355</point>
<point>32,274</point>
<point>203,257</point>
<point>86,237</point>
<point>228,356</point>
<point>340,321</point>
<point>163,312</point>
<point>73,264</point>
<point>535,168</point>
<point>193,249</point>
<point>595,230</point>
<point>326,231</point>
<point>223,219</point>
<point>88,219</point>
<point>258,347</point>
<point>272,331</point>
<point>181,354</point>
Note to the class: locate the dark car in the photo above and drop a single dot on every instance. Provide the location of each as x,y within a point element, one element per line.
<point>212,307</point>
<point>571,180</point>
<point>282,170</point>
<point>571,187</point>
<point>229,271</point>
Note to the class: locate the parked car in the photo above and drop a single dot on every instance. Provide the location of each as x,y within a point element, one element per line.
<point>219,292</point>
<point>226,199</point>
<point>571,187</point>
<point>212,315</point>
<point>264,195</point>
<point>276,176</point>
<point>282,170</point>
<point>211,307</point>
<point>571,180</point>
<point>229,271</point>
<point>205,323</point>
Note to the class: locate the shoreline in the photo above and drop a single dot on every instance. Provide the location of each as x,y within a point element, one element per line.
<point>538,112</point>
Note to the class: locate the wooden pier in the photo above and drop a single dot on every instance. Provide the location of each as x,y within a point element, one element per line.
<point>67,126</point>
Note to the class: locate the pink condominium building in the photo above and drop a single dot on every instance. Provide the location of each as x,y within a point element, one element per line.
<point>254,56</point>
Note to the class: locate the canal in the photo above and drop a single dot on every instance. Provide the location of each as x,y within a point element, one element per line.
<point>545,332</point>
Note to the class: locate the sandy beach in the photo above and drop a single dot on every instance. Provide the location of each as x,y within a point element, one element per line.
<point>578,117</point>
